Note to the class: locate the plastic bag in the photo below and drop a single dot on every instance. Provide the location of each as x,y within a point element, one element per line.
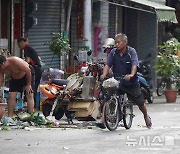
<point>110,83</point>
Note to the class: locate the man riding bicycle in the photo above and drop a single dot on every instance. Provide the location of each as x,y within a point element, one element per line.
<point>124,61</point>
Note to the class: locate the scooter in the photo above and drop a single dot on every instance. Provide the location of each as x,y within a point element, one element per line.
<point>145,88</point>
<point>145,70</point>
<point>58,93</point>
<point>73,96</point>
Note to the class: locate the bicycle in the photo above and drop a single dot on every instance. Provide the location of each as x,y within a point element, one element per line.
<point>161,86</point>
<point>116,107</point>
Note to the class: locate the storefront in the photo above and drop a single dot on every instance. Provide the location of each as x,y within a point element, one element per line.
<point>15,20</point>
<point>142,21</point>
<point>139,19</point>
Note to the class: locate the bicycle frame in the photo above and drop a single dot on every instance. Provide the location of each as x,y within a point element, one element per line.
<point>113,114</point>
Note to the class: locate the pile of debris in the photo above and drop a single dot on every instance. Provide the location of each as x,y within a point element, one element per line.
<point>29,121</point>
<point>24,119</point>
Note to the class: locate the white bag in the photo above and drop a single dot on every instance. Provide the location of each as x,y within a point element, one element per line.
<point>110,83</point>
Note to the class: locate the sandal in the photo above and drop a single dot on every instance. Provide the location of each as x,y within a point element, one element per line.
<point>149,125</point>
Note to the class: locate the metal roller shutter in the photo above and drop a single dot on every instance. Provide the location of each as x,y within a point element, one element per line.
<point>112,20</point>
<point>48,21</point>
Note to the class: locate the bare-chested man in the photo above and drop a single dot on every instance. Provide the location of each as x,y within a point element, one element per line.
<point>21,79</point>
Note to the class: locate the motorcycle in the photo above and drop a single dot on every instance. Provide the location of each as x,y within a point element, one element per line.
<point>59,92</point>
<point>63,93</point>
<point>145,88</point>
<point>144,71</point>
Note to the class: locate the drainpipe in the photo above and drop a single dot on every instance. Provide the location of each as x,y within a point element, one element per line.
<point>12,28</point>
<point>156,53</point>
<point>116,20</point>
<point>68,17</point>
<point>87,23</point>
<point>67,29</point>
<point>22,25</point>
<point>23,18</point>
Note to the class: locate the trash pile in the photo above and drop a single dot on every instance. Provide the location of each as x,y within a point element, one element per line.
<point>23,120</point>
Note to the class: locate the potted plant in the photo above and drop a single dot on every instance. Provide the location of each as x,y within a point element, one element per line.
<point>59,44</point>
<point>168,66</point>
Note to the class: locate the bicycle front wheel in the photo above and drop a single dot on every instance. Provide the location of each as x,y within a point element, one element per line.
<point>128,115</point>
<point>111,114</point>
<point>160,88</point>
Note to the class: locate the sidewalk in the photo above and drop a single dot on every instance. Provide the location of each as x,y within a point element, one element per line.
<point>162,99</point>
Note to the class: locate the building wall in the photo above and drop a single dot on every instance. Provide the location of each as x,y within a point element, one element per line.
<point>99,22</point>
<point>102,25</point>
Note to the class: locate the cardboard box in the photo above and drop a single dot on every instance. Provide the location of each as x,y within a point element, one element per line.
<point>82,106</point>
<point>85,110</point>
<point>88,89</point>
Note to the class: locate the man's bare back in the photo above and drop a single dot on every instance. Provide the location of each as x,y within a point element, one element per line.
<point>15,67</point>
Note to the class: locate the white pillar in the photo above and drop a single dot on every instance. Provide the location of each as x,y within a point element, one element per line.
<point>87,23</point>
<point>68,16</point>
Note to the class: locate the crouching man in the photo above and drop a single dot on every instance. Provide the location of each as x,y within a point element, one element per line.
<point>21,79</point>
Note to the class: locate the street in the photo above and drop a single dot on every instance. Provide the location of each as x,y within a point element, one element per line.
<point>164,137</point>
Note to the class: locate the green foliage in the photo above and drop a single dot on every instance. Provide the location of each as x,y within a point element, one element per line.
<point>59,44</point>
<point>31,117</point>
<point>167,63</point>
<point>5,128</point>
<point>178,84</point>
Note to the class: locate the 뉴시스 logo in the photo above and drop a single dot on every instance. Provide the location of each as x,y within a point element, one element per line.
<point>151,142</point>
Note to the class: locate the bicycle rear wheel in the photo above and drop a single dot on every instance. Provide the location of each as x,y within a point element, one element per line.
<point>111,114</point>
<point>128,115</point>
<point>160,88</point>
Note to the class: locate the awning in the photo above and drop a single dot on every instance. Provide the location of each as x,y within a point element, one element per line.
<point>164,13</point>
